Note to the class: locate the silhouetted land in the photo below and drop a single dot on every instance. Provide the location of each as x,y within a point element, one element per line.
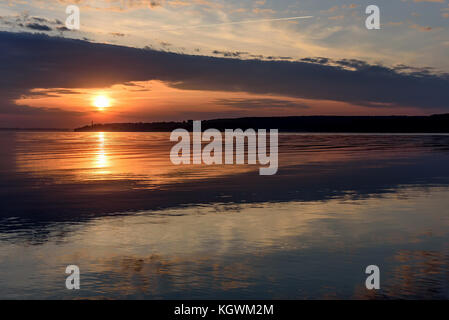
<point>360,124</point>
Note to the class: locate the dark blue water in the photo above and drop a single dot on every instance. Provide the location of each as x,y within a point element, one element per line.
<point>140,227</point>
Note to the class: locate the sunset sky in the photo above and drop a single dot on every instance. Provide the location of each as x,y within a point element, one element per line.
<point>157,60</point>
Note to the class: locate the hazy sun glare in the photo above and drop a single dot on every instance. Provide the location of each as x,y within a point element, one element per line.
<point>101,102</point>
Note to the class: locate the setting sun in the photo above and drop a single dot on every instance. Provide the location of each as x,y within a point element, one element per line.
<point>101,102</point>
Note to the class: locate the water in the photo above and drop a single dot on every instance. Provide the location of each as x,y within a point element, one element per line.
<point>139,227</point>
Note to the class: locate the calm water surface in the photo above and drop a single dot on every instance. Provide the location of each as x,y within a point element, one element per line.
<point>139,227</point>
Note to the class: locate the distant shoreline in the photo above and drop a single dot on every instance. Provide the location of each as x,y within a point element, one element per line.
<point>299,124</point>
<point>296,124</point>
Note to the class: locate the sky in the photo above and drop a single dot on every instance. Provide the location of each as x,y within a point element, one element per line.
<point>164,60</point>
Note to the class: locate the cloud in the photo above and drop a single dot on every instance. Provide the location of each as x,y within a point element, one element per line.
<point>319,60</point>
<point>37,26</point>
<point>256,21</point>
<point>435,1</point>
<point>395,24</point>
<point>127,5</point>
<point>27,110</point>
<point>420,28</point>
<point>117,34</point>
<point>236,54</point>
<point>27,22</point>
<point>330,10</point>
<point>336,18</point>
<point>243,103</point>
<point>115,5</point>
<point>50,92</point>
<point>32,61</point>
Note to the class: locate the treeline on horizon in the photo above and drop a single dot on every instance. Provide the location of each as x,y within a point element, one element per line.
<point>357,124</point>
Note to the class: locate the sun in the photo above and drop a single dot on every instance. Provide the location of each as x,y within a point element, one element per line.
<point>101,102</point>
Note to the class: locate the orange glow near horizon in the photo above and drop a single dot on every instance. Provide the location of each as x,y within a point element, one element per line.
<point>147,101</point>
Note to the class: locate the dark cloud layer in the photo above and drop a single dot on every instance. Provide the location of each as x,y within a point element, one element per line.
<point>260,103</point>
<point>26,21</point>
<point>30,61</point>
<point>38,26</point>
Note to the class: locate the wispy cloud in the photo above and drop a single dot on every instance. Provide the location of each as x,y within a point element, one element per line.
<point>232,23</point>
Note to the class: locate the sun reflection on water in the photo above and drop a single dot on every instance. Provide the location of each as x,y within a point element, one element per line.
<point>101,160</point>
